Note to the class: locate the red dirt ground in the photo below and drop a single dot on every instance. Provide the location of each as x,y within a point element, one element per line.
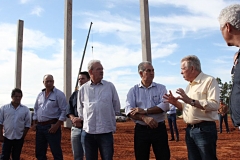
<point>228,145</point>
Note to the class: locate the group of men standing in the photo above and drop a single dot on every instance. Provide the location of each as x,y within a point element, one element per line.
<point>92,110</point>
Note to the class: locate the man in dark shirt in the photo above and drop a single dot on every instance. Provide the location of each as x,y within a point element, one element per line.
<point>229,20</point>
<point>77,146</point>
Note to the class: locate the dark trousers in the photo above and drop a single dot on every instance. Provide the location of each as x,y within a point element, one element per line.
<point>93,142</point>
<point>221,119</point>
<point>201,140</point>
<point>172,123</point>
<point>144,137</point>
<point>43,138</point>
<point>11,146</point>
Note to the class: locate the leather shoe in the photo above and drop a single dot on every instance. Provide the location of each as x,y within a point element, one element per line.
<point>171,139</point>
<point>177,139</point>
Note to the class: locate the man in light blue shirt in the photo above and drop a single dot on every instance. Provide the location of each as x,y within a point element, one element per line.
<point>171,115</point>
<point>146,107</point>
<point>15,121</point>
<point>49,114</point>
<point>97,106</point>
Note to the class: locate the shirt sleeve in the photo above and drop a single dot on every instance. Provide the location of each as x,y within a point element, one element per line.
<point>163,105</point>
<point>35,109</point>
<point>116,101</point>
<point>213,91</point>
<point>28,118</point>
<point>70,107</point>
<point>79,104</point>
<point>62,104</point>
<point>130,102</point>
<point>1,115</point>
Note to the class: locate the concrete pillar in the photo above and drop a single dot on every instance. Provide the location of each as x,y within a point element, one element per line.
<point>19,46</point>
<point>68,53</point>
<point>145,31</point>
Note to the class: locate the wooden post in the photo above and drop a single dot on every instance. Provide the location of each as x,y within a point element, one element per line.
<point>145,31</point>
<point>19,46</point>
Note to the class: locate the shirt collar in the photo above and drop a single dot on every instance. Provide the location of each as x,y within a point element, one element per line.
<point>197,79</point>
<point>153,84</point>
<point>20,105</point>
<point>53,90</point>
<point>91,83</point>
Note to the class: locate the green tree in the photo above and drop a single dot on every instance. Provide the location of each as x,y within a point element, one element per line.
<point>225,90</point>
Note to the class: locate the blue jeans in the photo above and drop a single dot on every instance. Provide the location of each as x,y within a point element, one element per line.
<point>77,146</point>
<point>221,118</point>
<point>201,141</point>
<point>93,142</point>
<point>172,123</point>
<point>11,146</point>
<point>43,138</point>
<point>144,137</point>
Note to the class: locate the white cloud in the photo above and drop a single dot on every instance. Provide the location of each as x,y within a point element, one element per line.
<point>24,1</point>
<point>37,11</point>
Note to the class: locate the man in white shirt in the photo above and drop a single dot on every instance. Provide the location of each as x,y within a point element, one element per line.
<point>15,121</point>
<point>97,106</point>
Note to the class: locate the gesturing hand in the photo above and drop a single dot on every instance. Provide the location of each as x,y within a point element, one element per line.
<point>183,95</point>
<point>170,98</point>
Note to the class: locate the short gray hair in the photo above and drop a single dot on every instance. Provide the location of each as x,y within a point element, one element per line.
<point>192,60</point>
<point>142,64</point>
<point>91,63</point>
<point>47,75</point>
<point>230,14</point>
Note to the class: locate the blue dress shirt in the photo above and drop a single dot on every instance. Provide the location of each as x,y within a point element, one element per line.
<point>51,107</point>
<point>142,97</point>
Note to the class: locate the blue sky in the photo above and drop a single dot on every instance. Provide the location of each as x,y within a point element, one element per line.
<point>178,28</point>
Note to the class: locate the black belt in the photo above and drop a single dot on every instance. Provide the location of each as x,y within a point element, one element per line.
<point>147,126</point>
<point>48,122</point>
<point>200,124</point>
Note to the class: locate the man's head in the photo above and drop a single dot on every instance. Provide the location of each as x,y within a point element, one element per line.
<point>95,70</point>
<point>146,71</point>
<point>16,96</point>
<point>83,77</point>
<point>221,101</point>
<point>229,20</point>
<point>190,67</point>
<point>48,81</point>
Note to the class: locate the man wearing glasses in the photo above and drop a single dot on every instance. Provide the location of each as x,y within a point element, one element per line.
<point>146,107</point>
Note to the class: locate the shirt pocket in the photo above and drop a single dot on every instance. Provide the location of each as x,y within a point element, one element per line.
<point>156,99</point>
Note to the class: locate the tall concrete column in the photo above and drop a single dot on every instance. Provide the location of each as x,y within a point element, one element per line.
<point>145,31</point>
<point>19,46</point>
<point>68,53</point>
<point>68,48</point>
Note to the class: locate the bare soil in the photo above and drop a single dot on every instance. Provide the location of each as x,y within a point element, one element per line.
<point>228,145</point>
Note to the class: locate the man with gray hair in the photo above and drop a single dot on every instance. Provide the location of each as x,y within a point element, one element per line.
<point>146,107</point>
<point>98,104</point>
<point>229,20</point>
<point>199,105</point>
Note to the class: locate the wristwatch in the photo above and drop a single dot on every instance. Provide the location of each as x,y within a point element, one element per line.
<point>146,110</point>
<point>192,102</point>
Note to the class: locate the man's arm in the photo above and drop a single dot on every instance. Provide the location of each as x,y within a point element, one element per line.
<point>115,100</point>
<point>25,132</point>
<point>62,104</point>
